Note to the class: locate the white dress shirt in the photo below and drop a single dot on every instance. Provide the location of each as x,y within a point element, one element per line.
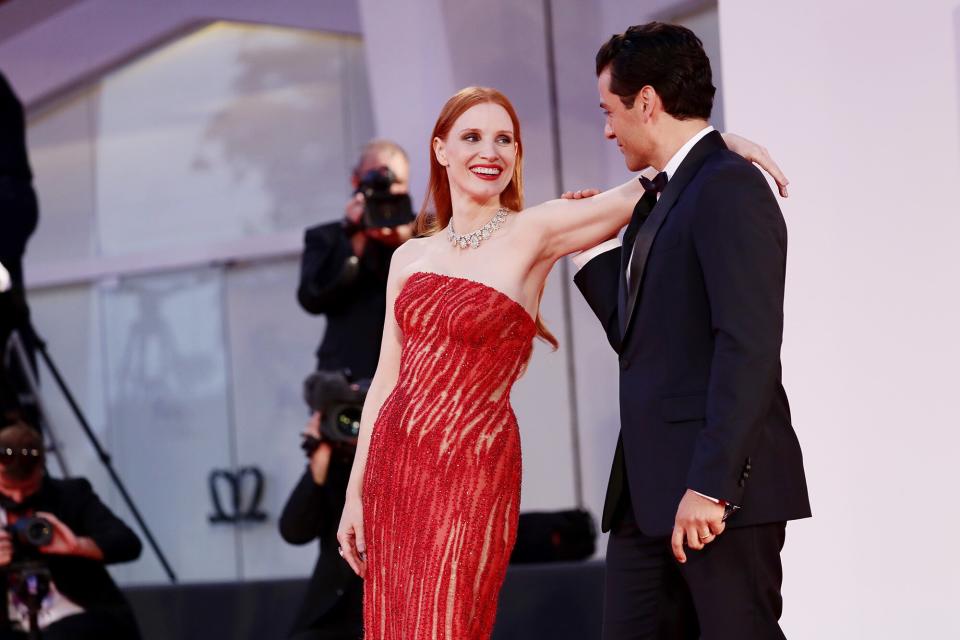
<point>582,258</point>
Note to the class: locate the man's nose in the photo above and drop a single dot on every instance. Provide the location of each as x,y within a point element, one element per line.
<point>608,131</point>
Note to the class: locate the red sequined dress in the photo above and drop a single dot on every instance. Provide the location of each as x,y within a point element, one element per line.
<point>441,491</point>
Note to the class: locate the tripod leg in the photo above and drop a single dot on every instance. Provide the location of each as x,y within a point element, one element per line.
<point>16,349</point>
<point>102,454</point>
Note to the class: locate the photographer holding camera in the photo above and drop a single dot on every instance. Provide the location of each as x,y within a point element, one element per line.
<point>343,272</point>
<point>56,541</point>
<point>344,277</point>
<point>333,606</point>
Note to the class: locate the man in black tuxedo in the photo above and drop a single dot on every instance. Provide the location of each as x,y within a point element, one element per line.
<point>707,469</point>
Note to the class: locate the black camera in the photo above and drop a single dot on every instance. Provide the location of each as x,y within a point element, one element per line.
<point>382,208</point>
<point>31,532</point>
<point>28,576</point>
<point>339,399</point>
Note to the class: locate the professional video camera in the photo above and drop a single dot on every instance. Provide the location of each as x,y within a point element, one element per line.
<point>382,208</point>
<point>339,399</point>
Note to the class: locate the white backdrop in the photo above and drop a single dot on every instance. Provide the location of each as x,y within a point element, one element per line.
<point>859,104</point>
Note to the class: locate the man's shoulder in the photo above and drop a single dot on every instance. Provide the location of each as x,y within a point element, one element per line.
<point>728,169</point>
<point>68,488</point>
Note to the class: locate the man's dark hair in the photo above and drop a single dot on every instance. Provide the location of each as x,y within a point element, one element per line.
<point>669,58</point>
<point>21,451</point>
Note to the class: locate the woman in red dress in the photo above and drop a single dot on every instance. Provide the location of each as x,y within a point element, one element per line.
<point>433,498</point>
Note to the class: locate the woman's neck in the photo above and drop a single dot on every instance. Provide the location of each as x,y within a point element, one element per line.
<point>470,214</point>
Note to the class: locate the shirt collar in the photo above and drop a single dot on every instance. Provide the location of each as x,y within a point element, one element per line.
<point>674,163</point>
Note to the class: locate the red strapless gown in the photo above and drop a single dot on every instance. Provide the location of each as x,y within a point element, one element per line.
<point>442,486</point>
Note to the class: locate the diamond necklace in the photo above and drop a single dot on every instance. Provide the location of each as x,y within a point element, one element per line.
<point>473,239</point>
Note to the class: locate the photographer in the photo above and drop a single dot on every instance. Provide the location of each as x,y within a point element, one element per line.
<point>343,276</point>
<point>333,606</point>
<point>345,264</point>
<point>63,542</point>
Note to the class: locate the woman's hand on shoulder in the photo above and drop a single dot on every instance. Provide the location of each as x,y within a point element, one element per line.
<point>579,194</point>
<point>756,153</point>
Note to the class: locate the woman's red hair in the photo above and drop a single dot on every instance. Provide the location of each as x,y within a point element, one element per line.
<point>437,207</point>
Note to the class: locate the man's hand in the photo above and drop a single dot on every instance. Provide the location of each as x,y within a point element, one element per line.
<point>66,543</point>
<point>390,236</point>
<point>354,209</point>
<point>699,520</point>
<point>320,459</point>
<point>6,548</point>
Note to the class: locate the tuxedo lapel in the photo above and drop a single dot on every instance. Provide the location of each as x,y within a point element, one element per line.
<point>640,213</point>
<point>647,232</point>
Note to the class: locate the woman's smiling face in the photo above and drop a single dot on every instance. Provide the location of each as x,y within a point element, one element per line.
<point>480,152</point>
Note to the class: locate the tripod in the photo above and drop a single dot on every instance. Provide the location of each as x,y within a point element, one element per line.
<point>17,349</point>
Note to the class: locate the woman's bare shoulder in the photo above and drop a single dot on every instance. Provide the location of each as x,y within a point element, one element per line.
<point>411,252</point>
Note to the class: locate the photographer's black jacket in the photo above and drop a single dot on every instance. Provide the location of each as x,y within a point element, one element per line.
<point>334,600</point>
<point>83,580</point>
<point>351,293</point>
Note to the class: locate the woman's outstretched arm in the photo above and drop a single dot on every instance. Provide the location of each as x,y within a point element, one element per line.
<point>562,229</point>
<point>565,226</point>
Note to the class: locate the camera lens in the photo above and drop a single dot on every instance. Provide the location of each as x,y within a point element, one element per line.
<point>39,533</point>
<point>348,422</point>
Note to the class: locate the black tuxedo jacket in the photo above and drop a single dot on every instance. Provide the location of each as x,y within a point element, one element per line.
<point>351,293</point>
<point>701,401</point>
<point>82,580</point>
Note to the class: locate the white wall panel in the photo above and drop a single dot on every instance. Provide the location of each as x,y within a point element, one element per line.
<point>860,106</point>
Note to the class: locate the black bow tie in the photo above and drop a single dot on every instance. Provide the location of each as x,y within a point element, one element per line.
<point>657,185</point>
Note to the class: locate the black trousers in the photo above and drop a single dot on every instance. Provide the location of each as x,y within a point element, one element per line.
<point>730,590</point>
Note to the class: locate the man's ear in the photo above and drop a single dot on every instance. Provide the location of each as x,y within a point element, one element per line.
<point>439,152</point>
<point>646,101</point>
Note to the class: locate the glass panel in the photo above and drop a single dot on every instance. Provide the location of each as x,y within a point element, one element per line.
<point>69,320</point>
<point>271,343</point>
<point>61,142</point>
<point>257,146</point>
<point>168,409</point>
<point>230,132</point>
